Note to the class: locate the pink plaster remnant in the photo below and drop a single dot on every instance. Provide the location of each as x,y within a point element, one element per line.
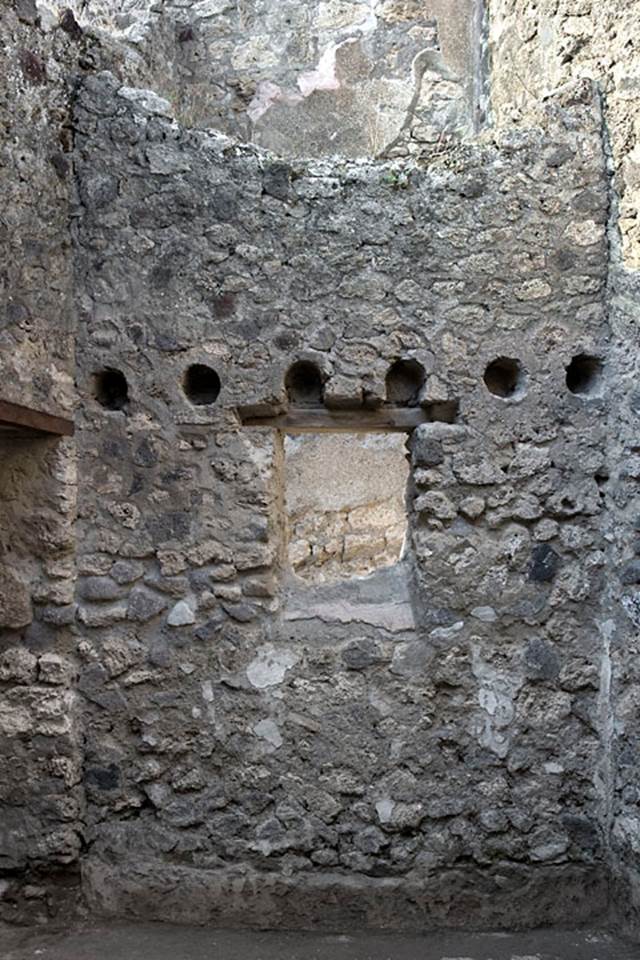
<point>268,93</point>
<point>324,75</point>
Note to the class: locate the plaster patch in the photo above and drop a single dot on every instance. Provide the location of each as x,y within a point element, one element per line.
<point>495,697</point>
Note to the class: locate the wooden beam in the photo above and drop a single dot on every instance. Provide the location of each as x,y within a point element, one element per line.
<point>14,415</point>
<point>386,419</point>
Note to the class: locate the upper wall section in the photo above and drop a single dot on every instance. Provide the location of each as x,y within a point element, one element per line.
<point>350,77</point>
<point>537,47</point>
<point>245,248</point>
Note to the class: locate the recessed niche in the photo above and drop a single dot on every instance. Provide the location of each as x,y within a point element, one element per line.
<point>505,378</point>
<point>201,384</point>
<point>110,388</point>
<point>584,374</point>
<point>404,382</point>
<point>303,383</point>
<point>345,496</point>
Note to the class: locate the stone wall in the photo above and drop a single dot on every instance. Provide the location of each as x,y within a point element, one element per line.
<point>40,741</point>
<point>463,685</point>
<point>36,333</point>
<point>537,47</point>
<point>622,601</point>
<point>169,717</point>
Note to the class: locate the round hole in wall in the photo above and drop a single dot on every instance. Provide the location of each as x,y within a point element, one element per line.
<point>110,388</point>
<point>405,379</point>
<point>584,374</point>
<point>303,383</point>
<point>504,377</point>
<point>201,384</point>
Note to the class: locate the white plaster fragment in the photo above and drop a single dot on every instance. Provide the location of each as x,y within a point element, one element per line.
<point>270,666</point>
<point>268,730</point>
<point>446,633</point>
<point>627,832</point>
<point>181,615</point>
<point>49,17</point>
<point>553,768</point>
<point>210,8</point>
<point>146,99</point>
<point>207,691</point>
<point>485,614</point>
<point>384,809</point>
<point>495,696</point>
<point>323,77</point>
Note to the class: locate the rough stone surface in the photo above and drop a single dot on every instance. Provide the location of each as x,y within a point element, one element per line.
<point>539,46</point>
<point>187,727</point>
<point>35,177</point>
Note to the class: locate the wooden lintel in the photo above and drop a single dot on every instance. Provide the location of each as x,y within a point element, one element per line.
<point>14,415</point>
<point>386,419</point>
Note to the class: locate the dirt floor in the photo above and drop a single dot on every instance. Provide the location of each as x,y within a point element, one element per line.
<point>123,941</point>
